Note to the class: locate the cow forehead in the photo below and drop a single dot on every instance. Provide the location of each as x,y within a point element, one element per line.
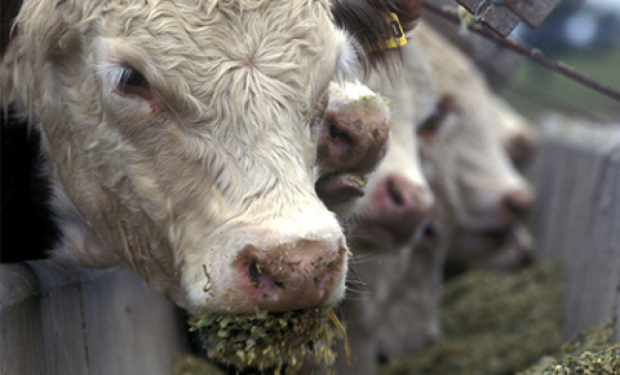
<point>223,58</point>
<point>206,45</point>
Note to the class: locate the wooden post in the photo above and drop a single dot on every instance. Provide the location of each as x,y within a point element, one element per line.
<point>59,319</point>
<point>577,176</point>
<point>497,17</point>
<point>532,12</point>
<point>503,16</point>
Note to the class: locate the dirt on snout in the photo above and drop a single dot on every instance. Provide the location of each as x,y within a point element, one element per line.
<point>493,324</point>
<point>278,342</point>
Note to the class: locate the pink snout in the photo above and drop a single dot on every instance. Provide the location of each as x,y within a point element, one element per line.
<point>397,207</point>
<point>290,277</point>
<point>515,205</point>
<point>353,140</point>
<point>521,148</point>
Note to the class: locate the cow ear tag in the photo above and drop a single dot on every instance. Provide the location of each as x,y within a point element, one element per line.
<point>386,35</point>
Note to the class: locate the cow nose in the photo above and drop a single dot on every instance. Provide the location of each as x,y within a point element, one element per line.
<point>290,277</point>
<point>401,206</point>
<point>521,149</point>
<point>354,137</point>
<point>526,260</point>
<point>430,232</point>
<point>515,204</point>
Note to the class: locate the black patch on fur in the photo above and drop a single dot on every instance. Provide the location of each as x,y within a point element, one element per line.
<point>358,17</point>
<point>8,12</point>
<point>27,228</point>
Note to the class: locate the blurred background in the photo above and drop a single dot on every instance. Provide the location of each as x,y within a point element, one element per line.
<point>586,36</point>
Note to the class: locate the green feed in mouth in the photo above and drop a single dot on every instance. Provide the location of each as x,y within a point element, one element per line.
<point>265,340</point>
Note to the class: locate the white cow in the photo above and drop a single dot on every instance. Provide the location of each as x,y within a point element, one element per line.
<point>466,160</point>
<point>396,309</point>
<point>180,143</point>
<point>389,224</point>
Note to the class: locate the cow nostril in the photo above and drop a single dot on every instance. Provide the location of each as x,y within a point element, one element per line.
<point>337,135</point>
<point>430,231</point>
<point>394,193</point>
<point>382,358</point>
<point>333,130</point>
<point>254,271</point>
<point>526,260</point>
<point>516,204</point>
<point>512,207</point>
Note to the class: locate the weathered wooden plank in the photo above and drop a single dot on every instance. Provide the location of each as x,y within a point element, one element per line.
<point>148,326</point>
<point>577,175</point>
<point>59,319</point>
<point>497,17</point>
<point>20,352</point>
<point>617,312</point>
<point>532,12</point>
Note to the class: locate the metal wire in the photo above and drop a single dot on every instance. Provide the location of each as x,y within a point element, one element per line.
<point>532,54</point>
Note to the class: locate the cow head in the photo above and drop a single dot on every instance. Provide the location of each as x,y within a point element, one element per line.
<point>180,140</point>
<point>466,159</point>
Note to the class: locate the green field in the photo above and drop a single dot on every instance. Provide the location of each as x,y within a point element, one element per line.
<point>533,89</point>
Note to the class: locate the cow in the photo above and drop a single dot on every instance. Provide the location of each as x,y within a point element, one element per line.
<point>518,135</point>
<point>354,118</point>
<point>396,311</point>
<point>180,141</point>
<point>390,222</point>
<point>467,163</point>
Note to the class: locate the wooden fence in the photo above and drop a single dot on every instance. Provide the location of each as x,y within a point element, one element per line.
<point>577,176</point>
<point>62,320</point>
<point>57,319</point>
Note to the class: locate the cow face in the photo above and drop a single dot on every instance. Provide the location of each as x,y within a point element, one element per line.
<point>399,196</point>
<point>466,159</point>
<point>180,139</point>
<point>392,277</point>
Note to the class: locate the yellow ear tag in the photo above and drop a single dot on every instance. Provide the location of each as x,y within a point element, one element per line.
<point>387,35</point>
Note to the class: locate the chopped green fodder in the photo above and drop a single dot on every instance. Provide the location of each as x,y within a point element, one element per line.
<point>592,352</point>
<point>266,340</point>
<point>493,324</point>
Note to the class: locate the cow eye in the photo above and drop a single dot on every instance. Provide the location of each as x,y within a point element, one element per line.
<point>131,77</point>
<point>132,83</point>
<point>443,107</point>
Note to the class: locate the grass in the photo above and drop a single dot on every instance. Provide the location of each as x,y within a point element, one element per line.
<point>535,89</point>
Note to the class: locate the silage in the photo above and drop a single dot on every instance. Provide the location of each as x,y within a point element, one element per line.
<point>271,341</point>
<point>493,324</point>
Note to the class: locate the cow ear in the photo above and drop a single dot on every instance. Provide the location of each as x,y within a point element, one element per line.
<point>408,12</point>
<point>378,25</point>
<point>8,13</point>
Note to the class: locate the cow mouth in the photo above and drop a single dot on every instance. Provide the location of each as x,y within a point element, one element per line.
<point>270,340</point>
<point>371,231</point>
<point>493,237</point>
<point>367,231</point>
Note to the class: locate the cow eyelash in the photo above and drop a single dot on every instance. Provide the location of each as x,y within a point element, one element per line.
<point>131,77</point>
<point>131,82</point>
